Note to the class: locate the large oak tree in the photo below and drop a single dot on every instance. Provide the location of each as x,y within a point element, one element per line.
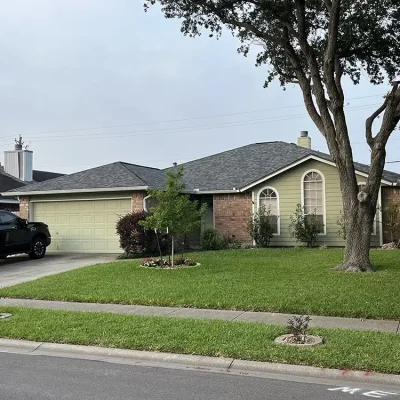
<point>315,44</point>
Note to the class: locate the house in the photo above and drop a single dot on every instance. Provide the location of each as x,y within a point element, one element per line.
<point>82,208</point>
<point>16,172</point>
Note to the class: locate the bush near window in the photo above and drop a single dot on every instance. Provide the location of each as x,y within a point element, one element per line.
<point>305,228</point>
<point>211,240</point>
<point>134,239</point>
<point>260,227</point>
<point>392,223</point>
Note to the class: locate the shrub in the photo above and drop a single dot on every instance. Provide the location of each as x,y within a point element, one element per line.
<point>260,227</point>
<point>135,240</point>
<point>211,240</point>
<point>230,242</point>
<point>392,217</point>
<point>342,224</point>
<point>298,326</point>
<point>305,228</point>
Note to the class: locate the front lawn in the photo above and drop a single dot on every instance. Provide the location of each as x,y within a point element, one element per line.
<point>368,351</point>
<point>275,280</point>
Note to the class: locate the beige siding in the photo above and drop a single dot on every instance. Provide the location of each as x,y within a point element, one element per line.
<point>288,184</point>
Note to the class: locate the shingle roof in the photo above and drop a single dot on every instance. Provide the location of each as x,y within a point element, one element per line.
<point>40,176</point>
<point>245,165</point>
<point>115,175</point>
<point>235,168</point>
<point>8,182</point>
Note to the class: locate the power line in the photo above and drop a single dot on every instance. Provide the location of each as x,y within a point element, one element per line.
<point>175,120</point>
<point>165,131</point>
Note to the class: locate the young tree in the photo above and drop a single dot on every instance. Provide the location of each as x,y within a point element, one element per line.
<point>174,211</point>
<point>314,44</point>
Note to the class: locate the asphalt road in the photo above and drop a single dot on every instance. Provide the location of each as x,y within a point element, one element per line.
<point>26,377</point>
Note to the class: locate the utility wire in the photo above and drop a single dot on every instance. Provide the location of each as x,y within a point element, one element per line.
<point>175,120</point>
<point>164,131</point>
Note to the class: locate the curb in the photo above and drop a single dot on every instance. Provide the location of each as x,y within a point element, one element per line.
<point>186,361</point>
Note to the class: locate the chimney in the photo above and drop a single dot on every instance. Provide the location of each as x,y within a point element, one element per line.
<point>19,162</point>
<point>304,140</point>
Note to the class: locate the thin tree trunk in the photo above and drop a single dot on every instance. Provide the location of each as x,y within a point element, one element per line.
<point>172,251</point>
<point>360,217</point>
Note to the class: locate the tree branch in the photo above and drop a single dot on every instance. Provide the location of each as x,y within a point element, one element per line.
<point>369,122</point>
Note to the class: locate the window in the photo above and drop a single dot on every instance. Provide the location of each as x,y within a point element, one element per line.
<point>269,199</point>
<point>8,218</point>
<point>361,186</point>
<point>313,186</point>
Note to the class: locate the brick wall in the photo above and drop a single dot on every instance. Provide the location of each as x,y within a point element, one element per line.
<point>24,207</point>
<point>389,195</point>
<point>231,214</point>
<point>137,201</point>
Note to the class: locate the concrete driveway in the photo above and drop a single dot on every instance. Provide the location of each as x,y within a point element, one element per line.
<point>18,269</point>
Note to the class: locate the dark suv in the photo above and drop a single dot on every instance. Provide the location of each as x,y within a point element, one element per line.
<point>18,236</point>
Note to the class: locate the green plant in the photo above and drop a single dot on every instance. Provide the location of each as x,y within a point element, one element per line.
<point>135,240</point>
<point>298,326</point>
<point>211,240</point>
<point>305,228</point>
<point>260,227</point>
<point>174,213</point>
<point>230,242</point>
<point>341,222</point>
<point>392,217</point>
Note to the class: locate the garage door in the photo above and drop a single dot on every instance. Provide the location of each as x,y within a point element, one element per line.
<point>82,226</point>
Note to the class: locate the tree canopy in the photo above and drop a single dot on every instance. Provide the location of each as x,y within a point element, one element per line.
<point>315,44</point>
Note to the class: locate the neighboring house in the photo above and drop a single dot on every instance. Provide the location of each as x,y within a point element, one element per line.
<point>82,208</point>
<point>16,172</point>
<point>9,182</point>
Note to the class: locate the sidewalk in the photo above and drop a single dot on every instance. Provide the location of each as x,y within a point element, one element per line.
<point>228,315</point>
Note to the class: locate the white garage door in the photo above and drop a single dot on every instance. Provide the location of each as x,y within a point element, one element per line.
<point>82,226</point>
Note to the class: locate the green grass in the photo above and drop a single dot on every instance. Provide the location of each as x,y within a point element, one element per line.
<point>368,351</point>
<point>275,280</point>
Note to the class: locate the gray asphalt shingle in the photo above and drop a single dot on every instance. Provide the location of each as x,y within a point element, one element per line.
<point>245,165</point>
<point>115,175</point>
<point>235,168</point>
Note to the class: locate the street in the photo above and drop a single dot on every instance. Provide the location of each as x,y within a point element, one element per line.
<point>27,377</point>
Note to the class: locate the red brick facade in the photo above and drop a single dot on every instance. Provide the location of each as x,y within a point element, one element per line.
<point>24,207</point>
<point>231,215</point>
<point>389,195</point>
<point>137,201</point>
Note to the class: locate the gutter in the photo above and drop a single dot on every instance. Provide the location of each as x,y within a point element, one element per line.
<point>9,201</point>
<point>44,192</point>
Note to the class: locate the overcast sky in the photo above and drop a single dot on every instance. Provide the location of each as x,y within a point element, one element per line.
<point>68,66</point>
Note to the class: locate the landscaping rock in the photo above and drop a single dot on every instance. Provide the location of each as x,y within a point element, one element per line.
<point>289,339</point>
<point>391,246</point>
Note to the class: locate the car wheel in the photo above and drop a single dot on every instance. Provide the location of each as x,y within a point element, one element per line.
<point>38,249</point>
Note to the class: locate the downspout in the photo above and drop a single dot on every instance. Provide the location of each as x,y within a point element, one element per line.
<point>145,203</point>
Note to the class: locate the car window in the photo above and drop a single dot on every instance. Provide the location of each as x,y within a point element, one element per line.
<point>7,219</point>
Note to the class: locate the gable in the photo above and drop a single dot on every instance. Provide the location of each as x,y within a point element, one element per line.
<point>319,164</point>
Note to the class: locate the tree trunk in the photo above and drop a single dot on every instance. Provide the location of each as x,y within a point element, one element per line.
<point>172,252</point>
<point>360,217</point>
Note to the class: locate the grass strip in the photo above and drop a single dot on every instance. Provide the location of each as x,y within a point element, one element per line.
<point>343,349</point>
<point>298,281</point>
